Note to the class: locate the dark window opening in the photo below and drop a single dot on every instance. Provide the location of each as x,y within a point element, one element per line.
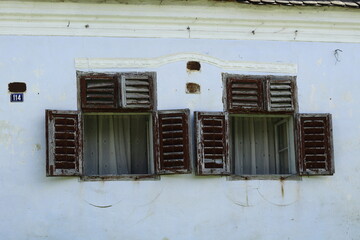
<point>117,144</point>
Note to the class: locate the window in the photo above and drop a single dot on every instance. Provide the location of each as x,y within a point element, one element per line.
<point>261,145</point>
<point>117,132</point>
<point>261,133</point>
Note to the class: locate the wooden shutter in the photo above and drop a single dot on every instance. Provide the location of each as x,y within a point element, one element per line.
<point>173,129</point>
<point>315,144</point>
<point>99,92</point>
<point>137,91</point>
<point>64,150</point>
<point>281,94</point>
<point>244,93</point>
<point>212,143</point>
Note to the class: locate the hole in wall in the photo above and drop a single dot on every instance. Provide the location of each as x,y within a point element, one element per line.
<point>193,66</point>
<point>192,88</point>
<point>17,87</point>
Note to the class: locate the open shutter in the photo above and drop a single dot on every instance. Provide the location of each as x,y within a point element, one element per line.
<point>212,143</point>
<point>63,135</point>
<point>315,144</point>
<point>173,129</point>
<point>137,91</point>
<point>99,92</point>
<point>281,94</point>
<point>244,93</point>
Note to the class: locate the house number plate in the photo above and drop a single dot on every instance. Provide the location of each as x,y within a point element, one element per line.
<point>16,97</point>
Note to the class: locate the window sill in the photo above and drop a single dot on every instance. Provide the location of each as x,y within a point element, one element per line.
<point>294,177</point>
<point>130,177</point>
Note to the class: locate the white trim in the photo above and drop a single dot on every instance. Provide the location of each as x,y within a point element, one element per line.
<point>221,21</point>
<point>118,63</point>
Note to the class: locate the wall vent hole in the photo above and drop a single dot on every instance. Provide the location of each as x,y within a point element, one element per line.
<point>192,88</point>
<point>193,66</point>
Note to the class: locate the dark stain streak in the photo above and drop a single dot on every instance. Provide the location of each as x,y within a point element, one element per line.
<point>295,34</point>
<point>253,32</point>
<point>105,206</point>
<point>68,25</point>
<point>336,55</point>
<point>282,187</point>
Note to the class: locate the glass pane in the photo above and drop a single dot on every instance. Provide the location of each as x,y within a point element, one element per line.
<point>116,144</point>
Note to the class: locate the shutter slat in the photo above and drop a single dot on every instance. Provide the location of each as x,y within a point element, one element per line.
<point>137,91</point>
<point>280,94</point>
<point>244,94</point>
<point>212,143</point>
<point>174,155</point>
<point>64,152</point>
<point>315,144</point>
<point>99,92</point>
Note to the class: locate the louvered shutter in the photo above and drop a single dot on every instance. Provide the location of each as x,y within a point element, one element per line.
<point>137,91</point>
<point>64,148</point>
<point>99,92</point>
<point>173,129</point>
<point>245,93</point>
<point>212,143</point>
<point>281,94</point>
<point>315,144</point>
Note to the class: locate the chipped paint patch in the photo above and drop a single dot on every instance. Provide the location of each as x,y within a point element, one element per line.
<point>312,98</point>
<point>9,134</point>
<point>319,61</point>
<point>38,72</point>
<point>37,147</point>
<point>347,97</point>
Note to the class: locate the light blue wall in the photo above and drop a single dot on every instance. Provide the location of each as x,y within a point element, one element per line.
<point>176,207</point>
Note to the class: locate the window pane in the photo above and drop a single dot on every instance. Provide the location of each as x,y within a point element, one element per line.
<point>282,147</point>
<point>116,144</point>
<point>259,145</point>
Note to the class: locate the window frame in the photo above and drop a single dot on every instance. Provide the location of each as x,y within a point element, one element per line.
<point>290,108</point>
<point>118,108</point>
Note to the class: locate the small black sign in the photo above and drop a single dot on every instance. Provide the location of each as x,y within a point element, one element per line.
<point>16,97</point>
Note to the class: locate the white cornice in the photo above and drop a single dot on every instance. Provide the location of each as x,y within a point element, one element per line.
<point>109,63</point>
<point>228,21</point>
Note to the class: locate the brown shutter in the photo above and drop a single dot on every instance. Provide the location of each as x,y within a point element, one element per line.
<point>99,91</point>
<point>64,150</point>
<point>137,91</point>
<point>244,93</point>
<point>281,94</point>
<point>212,143</point>
<point>315,144</point>
<point>173,129</point>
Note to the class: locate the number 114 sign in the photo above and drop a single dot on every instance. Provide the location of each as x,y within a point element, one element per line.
<point>16,97</point>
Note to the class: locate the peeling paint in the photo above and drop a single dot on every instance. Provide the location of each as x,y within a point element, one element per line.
<point>37,147</point>
<point>347,97</point>
<point>9,134</point>
<point>38,72</point>
<point>312,98</point>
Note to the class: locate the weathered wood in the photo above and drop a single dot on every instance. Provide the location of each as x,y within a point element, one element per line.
<point>281,94</point>
<point>243,93</point>
<point>212,143</point>
<point>315,147</point>
<point>173,142</point>
<point>64,156</point>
